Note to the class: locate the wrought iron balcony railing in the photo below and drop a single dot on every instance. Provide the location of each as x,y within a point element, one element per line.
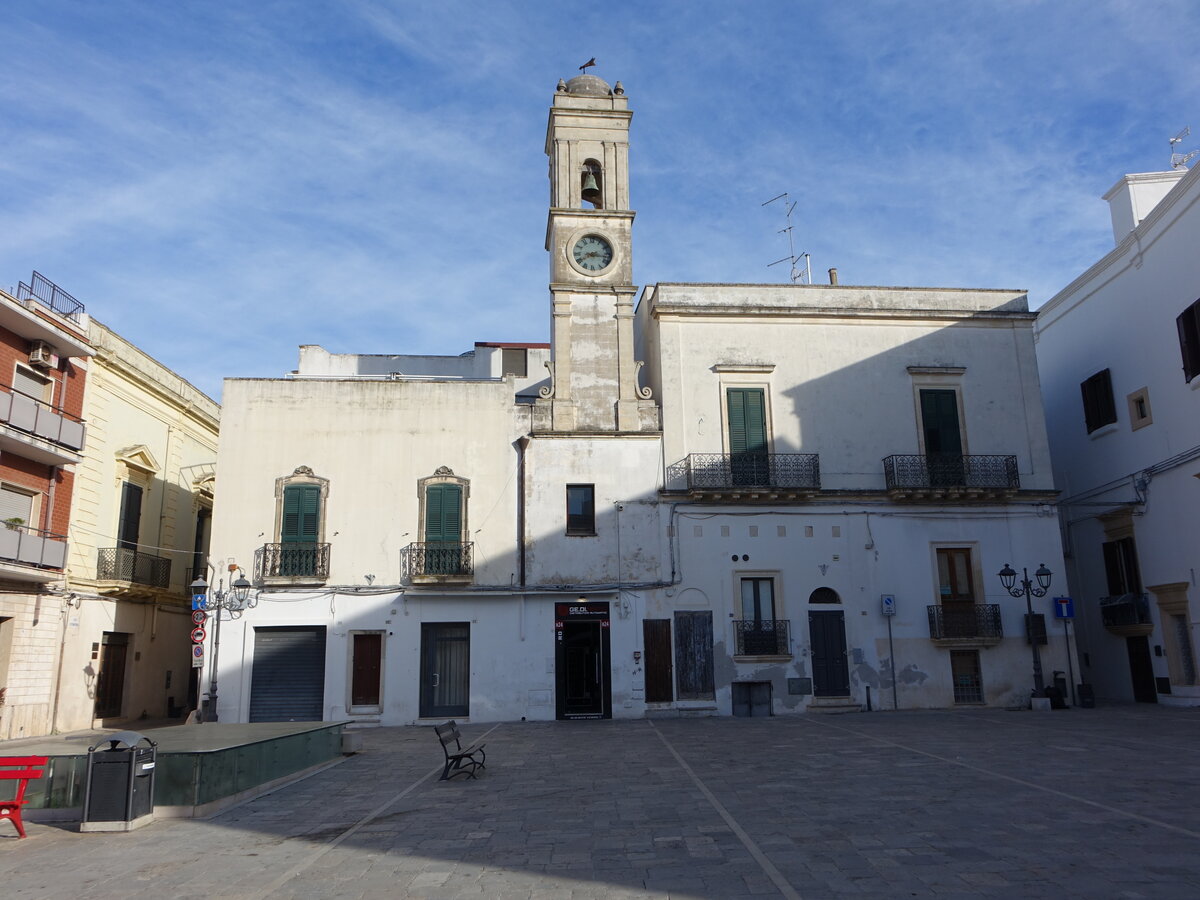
<point>1124,610</point>
<point>435,560</point>
<point>965,621</point>
<point>761,637</point>
<point>733,471</point>
<point>290,560</point>
<point>51,296</point>
<point>133,566</point>
<point>938,471</point>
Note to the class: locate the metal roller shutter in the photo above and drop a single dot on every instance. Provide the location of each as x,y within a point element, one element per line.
<point>288,677</point>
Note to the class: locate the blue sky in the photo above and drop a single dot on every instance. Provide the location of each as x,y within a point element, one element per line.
<point>223,181</point>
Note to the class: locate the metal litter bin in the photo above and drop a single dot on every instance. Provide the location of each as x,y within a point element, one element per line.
<point>119,793</point>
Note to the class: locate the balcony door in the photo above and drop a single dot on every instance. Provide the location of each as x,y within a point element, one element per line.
<point>747,416</point>
<point>943,437</point>
<point>443,529</point>
<point>827,634</point>
<point>299,529</point>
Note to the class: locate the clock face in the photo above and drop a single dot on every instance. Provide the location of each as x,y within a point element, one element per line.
<point>592,253</point>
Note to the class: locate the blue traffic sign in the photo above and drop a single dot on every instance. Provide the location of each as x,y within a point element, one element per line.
<point>199,601</point>
<point>1064,608</point>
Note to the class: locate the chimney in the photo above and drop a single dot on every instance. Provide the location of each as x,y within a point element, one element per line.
<point>833,276</point>
<point>1134,197</point>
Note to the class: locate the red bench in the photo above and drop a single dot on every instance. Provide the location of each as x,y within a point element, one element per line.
<point>11,809</point>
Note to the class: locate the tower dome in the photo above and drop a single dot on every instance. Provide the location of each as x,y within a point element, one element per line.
<point>589,86</point>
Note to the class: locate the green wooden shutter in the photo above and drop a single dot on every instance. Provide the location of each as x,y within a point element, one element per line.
<point>939,418</point>
<point>443,513</point>
<point>130,517</point>
<point>747,420</point>
<point>301,514</point>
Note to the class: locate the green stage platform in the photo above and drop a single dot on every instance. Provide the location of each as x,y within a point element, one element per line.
<point>201,769</point>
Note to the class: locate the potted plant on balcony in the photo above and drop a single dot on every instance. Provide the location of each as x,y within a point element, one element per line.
<point>14,523</point>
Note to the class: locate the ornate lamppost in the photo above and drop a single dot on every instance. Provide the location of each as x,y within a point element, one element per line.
<point>1008,578</point>
<point>228,604</point>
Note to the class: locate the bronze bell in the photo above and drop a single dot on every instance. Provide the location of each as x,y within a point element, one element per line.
<point>591,190</point>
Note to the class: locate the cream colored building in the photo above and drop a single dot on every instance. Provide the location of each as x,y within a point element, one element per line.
<point>139,524</point>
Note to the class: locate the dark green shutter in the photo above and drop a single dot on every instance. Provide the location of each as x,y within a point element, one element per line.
<point>443,513</point>
<point>131,516</point>
<point>301,514</point>
<point>747,420</point>
<point>939,419</point>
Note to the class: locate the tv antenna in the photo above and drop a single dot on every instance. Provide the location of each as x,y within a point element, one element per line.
<point>1180,160</point>
<point>798,275</point>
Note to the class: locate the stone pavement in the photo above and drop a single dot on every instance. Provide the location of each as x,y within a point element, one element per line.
<point>966,803</point>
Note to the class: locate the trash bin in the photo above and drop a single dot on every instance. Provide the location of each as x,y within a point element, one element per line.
<point>119,792</point>
<point>1060,686</point>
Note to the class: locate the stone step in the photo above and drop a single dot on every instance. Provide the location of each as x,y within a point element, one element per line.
<point>834,705</point>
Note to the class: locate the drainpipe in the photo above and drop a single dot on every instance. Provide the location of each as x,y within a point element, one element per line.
<point>521,444</point>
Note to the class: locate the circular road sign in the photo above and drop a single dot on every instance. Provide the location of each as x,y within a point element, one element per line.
<point>198,616</point>
<point>197,635</point>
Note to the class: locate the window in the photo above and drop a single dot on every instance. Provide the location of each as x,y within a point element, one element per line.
<point>968,680</point>
<point>955,581</point>
<point>591,184</point>
<point>1139,409</point>
<point>824,595</point>
<point>514,361</point>
<point>33,384</point>
<point>1098,406</point>
<point>1121,568</point>
<point>758,599</point>
<point>1189,340</point>
<point>581,509</point>
<point>16,504</point>
<point>747,418</point>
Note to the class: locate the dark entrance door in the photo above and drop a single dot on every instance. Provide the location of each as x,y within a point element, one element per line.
<point>694,655</point>
<point>367,656</point>
<point>110,682</point>
<point>1141,670</point>
<point>656,637</point>
<point>445,669</point>
<point>827,632</point>
<point>583,677</point>
<point>943,437</point>
<point>287,678</point>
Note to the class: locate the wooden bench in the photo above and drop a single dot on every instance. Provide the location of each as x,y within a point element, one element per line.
<point>11,809</point>
<point>460,760</point>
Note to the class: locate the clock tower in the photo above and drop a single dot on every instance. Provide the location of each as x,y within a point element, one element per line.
<point>594,377</point>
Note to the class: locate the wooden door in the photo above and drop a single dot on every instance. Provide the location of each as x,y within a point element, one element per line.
<point>366,667</point>
<point>445,669</point>
<point>1141,670</point>
<point>694,655</point>
<point>827,634</point>
<point>110,682</point>
<point>656,637</point>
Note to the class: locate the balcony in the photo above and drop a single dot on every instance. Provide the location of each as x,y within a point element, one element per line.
<point>60,433</point>
<point>1127,615</point>
<point>44,291</point>
<point>768,476</point>
<point>950,476</point>
<point>132,567</point>
<point>289,563</point>
<point>438,563</point>
<point>23,547</point>
<point>965,624</point>
<point>761,637</point>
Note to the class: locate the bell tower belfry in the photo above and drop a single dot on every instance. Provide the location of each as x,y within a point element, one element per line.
<point>594,383</point>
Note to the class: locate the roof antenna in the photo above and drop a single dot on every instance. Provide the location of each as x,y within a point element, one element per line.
<point>798,276</point>
<point>1180,160</point>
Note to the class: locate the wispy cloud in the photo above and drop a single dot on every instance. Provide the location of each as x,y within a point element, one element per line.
<point>221,182</point>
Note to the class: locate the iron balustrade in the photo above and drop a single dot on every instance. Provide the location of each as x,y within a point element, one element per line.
<point>950,470</point>
<point>965,621</point>
<point>51,296</point>
<point>133,566</point>
<point>1125,609</point>
<point>436,558</point>
<point>761,637</point>
<point>37,417</point>
<point>291,560</point>
<point>729,471</point>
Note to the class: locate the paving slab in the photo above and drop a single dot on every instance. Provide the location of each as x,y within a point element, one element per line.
<point>965,803</point>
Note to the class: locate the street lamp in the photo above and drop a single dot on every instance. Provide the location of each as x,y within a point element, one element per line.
<point>1008,578</point>
<point>232,603</point>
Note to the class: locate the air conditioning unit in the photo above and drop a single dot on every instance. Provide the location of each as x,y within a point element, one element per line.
<point>42,355</point>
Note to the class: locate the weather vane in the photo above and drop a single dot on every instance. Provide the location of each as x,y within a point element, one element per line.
<point>590,62</point>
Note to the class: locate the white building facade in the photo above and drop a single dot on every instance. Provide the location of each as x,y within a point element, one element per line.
<point>1119,351</point>
<point>689,504</point>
